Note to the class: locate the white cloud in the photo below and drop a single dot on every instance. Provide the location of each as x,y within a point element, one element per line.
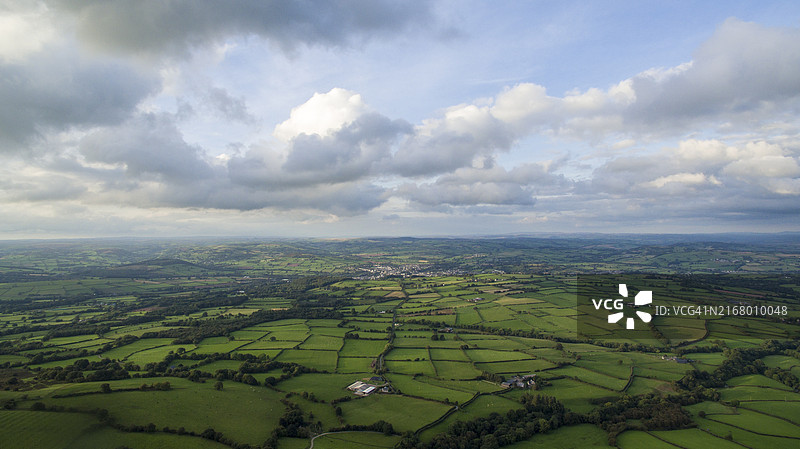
<point>322,114</point>
<point>686,179</point>
<point>25,28</point>
<point>764,167</point>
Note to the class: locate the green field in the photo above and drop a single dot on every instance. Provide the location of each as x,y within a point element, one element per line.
<point>259,341</point>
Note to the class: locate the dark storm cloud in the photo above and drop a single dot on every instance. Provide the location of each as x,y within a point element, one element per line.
<point>173,27</point>
<point>58,89</point>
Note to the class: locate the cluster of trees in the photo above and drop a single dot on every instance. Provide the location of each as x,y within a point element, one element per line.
<point>156,386</point>
<point>491,377</point>
<point>539,415</point>
<point>291,424</point>
<point>104,369</point>
<point>740,362</point>
<point>654,412</point>
<point>718,346</point>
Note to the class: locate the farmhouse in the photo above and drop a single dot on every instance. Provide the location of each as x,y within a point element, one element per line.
<point>526,381</point>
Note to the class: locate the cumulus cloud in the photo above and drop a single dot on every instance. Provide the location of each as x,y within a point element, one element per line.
<point>25,29</point>
<point>487,187</point>
<point>155,27</point>
<point>107,140</point>
<point>739,69</point>
<point>322,114</point>
<point>697,180</point>
<point>147,146</point>
<point>58,88</point>
<point>227,106</point>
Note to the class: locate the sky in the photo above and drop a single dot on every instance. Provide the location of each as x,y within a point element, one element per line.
<point>350,118</point>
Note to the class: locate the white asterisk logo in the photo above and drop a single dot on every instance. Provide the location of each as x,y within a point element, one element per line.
<point>642,298</point>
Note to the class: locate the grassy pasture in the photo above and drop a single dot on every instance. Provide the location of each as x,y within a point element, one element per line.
<point>694,438</point>
<point>321,360</point>
<point>88,344</point>
<point>324,342</point>
<point>34,430</point>
<point>107,438</point>
<point>220,364</point>
<point>752,393</point>
<point>712,359</point>
<point>156,354</point>
<point>636,439</point>
<point>742,436</point>
<point>592,377</point>
<point>362,348</point>
<point>271,353</point>
<point>552,355</point>
<point>289,335</point>
<point>267,344</point>
<point>758,381</point>
<point>393,409</point>
<point>456,355</point>
<point>251,412</point>
<point>660,373</point>
<point>355,440</point>
<point>481,407</point>
<point>781,361</point>
<point>786,410</point>
<point>582,436</point>
<point>576,395</point>
<point>710,408</point>
<point>249,335</point>
<point>407,354</point>
<point>455,370</point>
<point>490,355</point>
<point>63,341</point>
<point>469,386</point>
<point>330,331</point>
<point>324,386</point>
<point>353,364</point>
<point>643,385</point>
<point>123,352</point>
<point>13,359</point>
<point>516,367</point>
<point>414,387</point>
<point>221,348</point>
<point>369,325</point>
<point>500,344</point>
<point>402,367</point>
<point>762,423</point>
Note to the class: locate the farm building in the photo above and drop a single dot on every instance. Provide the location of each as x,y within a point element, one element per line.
<point>526,381</point>
<point>360,388</point>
